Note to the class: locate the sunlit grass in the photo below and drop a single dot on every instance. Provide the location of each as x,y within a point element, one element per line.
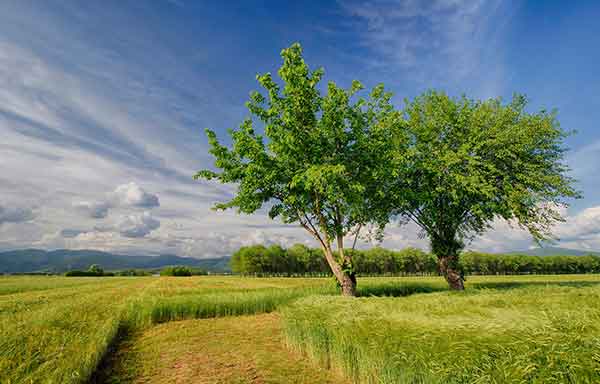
<point>503,329</point>
<point>57,330</point>
<point>523,330</point>
<point>240,349</point>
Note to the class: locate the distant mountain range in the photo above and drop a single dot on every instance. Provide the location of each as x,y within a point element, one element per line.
<point>553,251</point>
<point>62,260</point>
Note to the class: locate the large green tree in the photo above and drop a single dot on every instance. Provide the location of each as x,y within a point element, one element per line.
<point>471,162</point>
<point>320,162</point>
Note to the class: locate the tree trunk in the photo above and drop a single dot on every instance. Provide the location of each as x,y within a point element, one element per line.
<point>348,284</point>
<point>346,281</point>
<point>449,268</point>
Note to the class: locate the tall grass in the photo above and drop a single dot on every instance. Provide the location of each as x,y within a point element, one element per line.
<point>541,333</point>
<point>148,309</point>
<point>517,329</point>
<point>60,335</point>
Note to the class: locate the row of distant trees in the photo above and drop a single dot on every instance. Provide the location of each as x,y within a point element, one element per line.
<point>302,260</point>
<point>96,271</point>
<point>182,271</point>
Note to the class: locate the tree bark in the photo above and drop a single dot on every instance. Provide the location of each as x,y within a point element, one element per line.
<point>448,266</point>
<point>346,281</point>
<point>348,284</point>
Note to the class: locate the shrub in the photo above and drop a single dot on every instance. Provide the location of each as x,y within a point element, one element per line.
<point>199,272</point>
<point>93,270</point>
<point>133,272</point>
<point>176,271</point>
<point>77,273</point>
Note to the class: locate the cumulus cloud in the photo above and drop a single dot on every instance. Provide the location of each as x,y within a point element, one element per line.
<point>15,214</point>
<point>133,195</point>
<point>581,227</point>
<point>129,195</point>
<point>109,123</point>
<point>138,225</point>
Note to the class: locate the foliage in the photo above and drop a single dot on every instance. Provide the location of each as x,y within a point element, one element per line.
<point>183,271</point>
<point>471,162</point>
<point>198,271</point>
<point>300,260</point>
<point>93,271</point>
<point>176,271</point>
<point>320,162</point>
<point>133,272</point>
<point>492,264</point>
<point>95,268</point>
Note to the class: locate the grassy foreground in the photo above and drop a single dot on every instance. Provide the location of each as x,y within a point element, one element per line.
<point>503,329</point>
<point>509,330</point>
<point>57,329</point>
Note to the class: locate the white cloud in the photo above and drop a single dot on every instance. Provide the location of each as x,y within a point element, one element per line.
<point>137,225</point>
<point>133,195</point>
<point>78,117</point>
<point>578,231</point>
<point>582,230</point>
<point>82,112</point>
<point>128,195</point>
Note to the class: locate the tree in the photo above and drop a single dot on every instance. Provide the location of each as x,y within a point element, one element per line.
<point>319,163</point>
<point>471,162</point>
<point>176,271</point>
<point>96,269</point>
<point>250,260</point>
<point>300,256</point>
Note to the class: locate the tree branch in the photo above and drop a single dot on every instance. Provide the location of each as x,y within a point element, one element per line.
<point>356,233</point>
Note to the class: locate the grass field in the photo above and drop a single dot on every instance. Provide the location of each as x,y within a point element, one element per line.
<point>502,330</point>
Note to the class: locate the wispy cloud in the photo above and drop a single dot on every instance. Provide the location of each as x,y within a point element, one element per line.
<point>83,111</point>
<point>439,42</point>
<point>102,107</point>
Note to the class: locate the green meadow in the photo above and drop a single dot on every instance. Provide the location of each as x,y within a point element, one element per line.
<point>221,329</point>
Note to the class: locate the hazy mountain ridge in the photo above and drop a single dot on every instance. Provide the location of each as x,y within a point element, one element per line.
<point>36,260</point>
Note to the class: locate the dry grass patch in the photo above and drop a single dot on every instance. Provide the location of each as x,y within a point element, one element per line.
<point>244,349</point>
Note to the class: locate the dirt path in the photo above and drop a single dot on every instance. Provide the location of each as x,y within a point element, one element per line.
<point>232,350</point>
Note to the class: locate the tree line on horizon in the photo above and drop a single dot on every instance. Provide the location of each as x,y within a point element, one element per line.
<point>341,164</point>
<point>300,260</point>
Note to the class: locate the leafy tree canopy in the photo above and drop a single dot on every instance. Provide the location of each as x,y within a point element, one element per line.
<point>470,162</point>
<point>320,162</point>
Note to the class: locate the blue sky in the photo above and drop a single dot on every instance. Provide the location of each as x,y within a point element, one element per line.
<point>103,105</point>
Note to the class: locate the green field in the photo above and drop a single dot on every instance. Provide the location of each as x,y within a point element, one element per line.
<point>510,329</point>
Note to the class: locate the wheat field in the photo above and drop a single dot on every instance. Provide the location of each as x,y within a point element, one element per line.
<point>509,329</point>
